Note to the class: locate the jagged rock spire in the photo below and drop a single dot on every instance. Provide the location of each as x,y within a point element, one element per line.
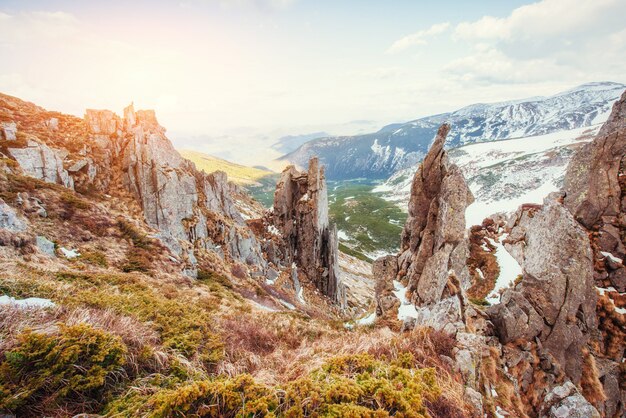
<point>433,243</point>
<point>301,215</point>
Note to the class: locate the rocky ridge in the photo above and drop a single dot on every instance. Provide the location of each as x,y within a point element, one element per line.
<point>550,337</point>
<point>197,216</point>
<point>379,155</point>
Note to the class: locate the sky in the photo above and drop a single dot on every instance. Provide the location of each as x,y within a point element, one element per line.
<point>229,77</point>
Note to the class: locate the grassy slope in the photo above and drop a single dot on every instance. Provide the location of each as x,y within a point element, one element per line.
<point>372,223</point>
<point>237,173</point>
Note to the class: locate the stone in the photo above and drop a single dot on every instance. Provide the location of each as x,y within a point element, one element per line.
<point>45,246</point>
<point>384,271</point>
<point>53,124</point>
<point>42,162</point>
<point>8,131</point>
<point>301,216</point>
<point>475,399</point>
<point>9,219</point>
<point>565,401</point>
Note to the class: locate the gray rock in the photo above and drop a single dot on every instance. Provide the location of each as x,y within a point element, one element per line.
<point>9,219</point>
<point>566,402</point>
<point>8,131</point>
<point>475,399</point>
<point>45,246</point>
<point>42,162</point>
<point>556,299</point>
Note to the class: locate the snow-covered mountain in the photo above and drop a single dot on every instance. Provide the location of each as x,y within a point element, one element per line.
<point>504,174</point>
<point>378,155</point>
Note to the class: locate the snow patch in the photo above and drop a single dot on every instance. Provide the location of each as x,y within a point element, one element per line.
<point>611,257</point>
<point>367,320</point>
<point>406,309</point>
<point>69,254</point>
<point>509,270</point>
<point>27,303</point>
<point>342,235</point>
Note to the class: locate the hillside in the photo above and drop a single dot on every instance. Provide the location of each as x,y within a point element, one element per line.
<point>379,155</point>
<point>134,284</point>
<point>239,174</point>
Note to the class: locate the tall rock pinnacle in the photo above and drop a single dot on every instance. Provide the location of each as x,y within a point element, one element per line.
<point>301,215</point>
<point>433,241</point>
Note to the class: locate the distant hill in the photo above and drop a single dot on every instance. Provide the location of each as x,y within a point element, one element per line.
<point>292,142</point>
<point>237,173</point>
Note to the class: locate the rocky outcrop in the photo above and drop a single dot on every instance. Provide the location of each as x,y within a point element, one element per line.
<point>301,216</point>
<point>554,303</point>
<point>592,182</point>
<point>434,244</point>
<point>435,248</point>
<point>190,208</point>
<point>42,162</point>
<point>595,193</point>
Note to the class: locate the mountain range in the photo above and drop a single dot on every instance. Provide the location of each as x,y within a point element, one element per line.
<point>380,154</point>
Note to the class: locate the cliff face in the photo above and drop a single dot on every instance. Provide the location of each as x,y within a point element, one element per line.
<point>300,213</point>
<point>190,208</point>
<point>197,216</point>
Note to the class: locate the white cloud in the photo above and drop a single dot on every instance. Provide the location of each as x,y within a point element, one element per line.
<point>418,38</point>
<point>546,18</point>
<point>549,40</point>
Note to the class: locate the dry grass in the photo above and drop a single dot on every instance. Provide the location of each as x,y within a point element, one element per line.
<point>278,348</point>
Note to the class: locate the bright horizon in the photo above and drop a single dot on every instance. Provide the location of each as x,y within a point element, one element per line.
<point>230,77</point>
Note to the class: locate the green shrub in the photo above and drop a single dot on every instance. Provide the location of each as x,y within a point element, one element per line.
<point>69,366</point>
<point>211,277</point>
<point>350,386</point>
<point>94,257</point>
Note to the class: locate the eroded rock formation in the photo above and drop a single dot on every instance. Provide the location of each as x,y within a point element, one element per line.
<point>190,208</point>
<point>554,303</point>
<point>434,244</point>
<point>595,193</point>
<point>435,248</point>
<point>42,162</point>
<point>301,215</point>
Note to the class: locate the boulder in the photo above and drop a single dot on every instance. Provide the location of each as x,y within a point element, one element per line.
<point>45,246</point>
<point>565,401</point>
<point>9,219</point>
